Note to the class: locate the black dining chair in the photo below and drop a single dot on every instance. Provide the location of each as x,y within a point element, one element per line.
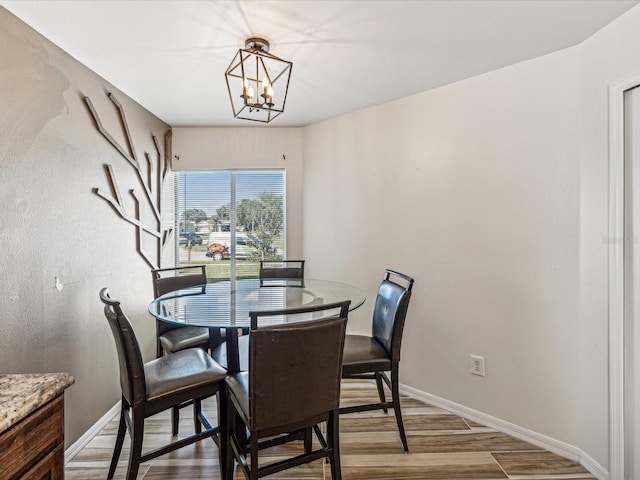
<point>293,384</point>
<point>155,386</point>
<point>371,356</point>
<point>281,269</point>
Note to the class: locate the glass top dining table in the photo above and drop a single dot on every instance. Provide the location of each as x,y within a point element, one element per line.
<point>227,303</point>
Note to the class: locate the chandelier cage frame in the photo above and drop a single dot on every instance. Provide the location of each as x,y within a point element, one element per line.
<point>257,82</point>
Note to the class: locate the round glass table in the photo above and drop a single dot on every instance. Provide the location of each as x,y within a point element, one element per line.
<point>228,303</point>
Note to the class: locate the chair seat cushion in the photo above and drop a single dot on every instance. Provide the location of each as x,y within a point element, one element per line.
<point>181,371</point>
<point>183,338</point>
<point>364,354</point>
<point>219,353</point>
<point>238,387</point>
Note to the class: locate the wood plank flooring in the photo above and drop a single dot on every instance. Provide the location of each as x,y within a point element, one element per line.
<point>442,446</point>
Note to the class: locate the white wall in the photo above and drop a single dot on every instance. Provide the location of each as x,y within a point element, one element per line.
<point>52,224</point>
<point>245,149</point>
<point>610,56</point>
<point>493,193</point>
<point>473,189</point>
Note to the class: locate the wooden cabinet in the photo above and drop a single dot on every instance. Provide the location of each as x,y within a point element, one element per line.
<point>33,448</point>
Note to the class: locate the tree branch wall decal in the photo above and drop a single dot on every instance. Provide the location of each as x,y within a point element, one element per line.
<point>115,199</point>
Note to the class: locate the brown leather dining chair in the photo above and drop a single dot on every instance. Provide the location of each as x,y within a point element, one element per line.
<point>281,269</point>
<point>171,337</point>
<point>293,384</point>
<point>155,386</point>
<point>371,356</point>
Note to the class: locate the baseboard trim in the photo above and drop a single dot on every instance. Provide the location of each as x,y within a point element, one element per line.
<point>555,446</point>
<point>87,436</point>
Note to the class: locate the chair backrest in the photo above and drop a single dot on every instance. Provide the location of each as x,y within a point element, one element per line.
<point>167,280</point>
<point>390,311</point>
<point>132,379</point>
<point>281,269</point>
<point>295,368</point>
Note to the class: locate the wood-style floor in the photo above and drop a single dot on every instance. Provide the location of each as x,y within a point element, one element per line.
<point>442,446</point>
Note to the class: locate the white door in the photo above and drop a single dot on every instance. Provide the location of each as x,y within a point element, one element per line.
<point>632,283</point>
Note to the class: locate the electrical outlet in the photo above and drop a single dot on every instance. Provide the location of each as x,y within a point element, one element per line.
<point>477,365</point>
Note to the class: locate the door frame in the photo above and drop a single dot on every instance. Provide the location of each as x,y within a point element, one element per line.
<point>616,275</point>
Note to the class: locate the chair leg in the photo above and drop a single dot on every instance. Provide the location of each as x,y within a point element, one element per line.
<point>137,433</point>
<point>308,439</point>
<point>223,445</point>
<point>197,408</point>
<point>175,418</point>
<point>381,395</point>
<point>395,392</point>
<point>230,429</point>
<point>122,429</point>
<point>333,437</point>
<point>254,450</point>
<point>159,350</point>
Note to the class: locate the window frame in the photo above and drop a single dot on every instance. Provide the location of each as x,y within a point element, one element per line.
<point>234,174</point>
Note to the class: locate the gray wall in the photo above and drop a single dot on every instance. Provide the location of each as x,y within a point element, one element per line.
<point>52,224</point>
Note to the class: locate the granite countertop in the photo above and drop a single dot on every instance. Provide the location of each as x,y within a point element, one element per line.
<point>21,394</point>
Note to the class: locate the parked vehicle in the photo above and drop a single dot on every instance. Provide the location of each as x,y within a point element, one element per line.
<point>245,246</point>
<point>246,243</point>
<point>217,251</point>
<point>189,239</point>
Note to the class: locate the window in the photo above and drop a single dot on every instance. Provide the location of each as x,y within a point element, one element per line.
<point>230,221</point>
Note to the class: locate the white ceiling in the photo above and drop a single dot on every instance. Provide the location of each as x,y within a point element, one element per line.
<point>171,56</point>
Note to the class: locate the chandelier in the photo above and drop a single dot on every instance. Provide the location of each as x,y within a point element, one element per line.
<point>257,82</point>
